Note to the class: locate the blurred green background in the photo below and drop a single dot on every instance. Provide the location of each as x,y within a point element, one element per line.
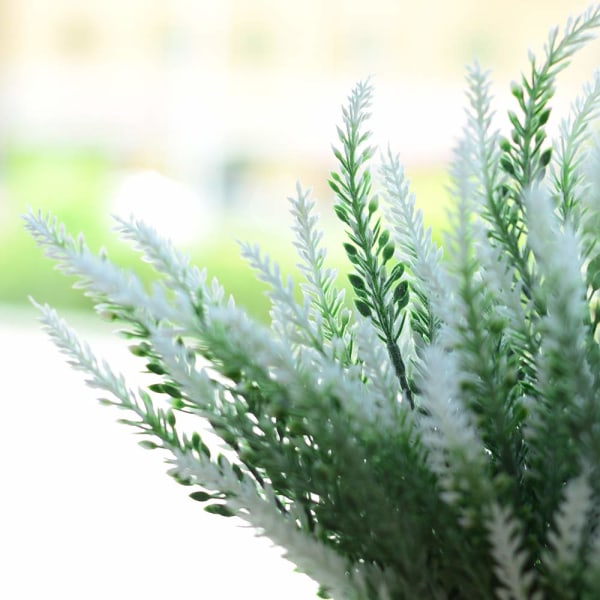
<point>200,116</point>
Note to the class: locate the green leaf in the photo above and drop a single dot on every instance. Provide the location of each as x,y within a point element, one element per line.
<point>107,402</point>
<point>229,438</point>
<point>219,509</point>
<point>517,91</point>
<point>545,157</point>
<point>505,145</point>
<point>298,427</point>
<point>395,275</point>
<point>355,259</point>
<point>373,205</point>
<point>182,480</point>
<point>342,214</point>
<point>507,165</point>
<point>166,388</point>
<point>363,308</point>
<point>156,368</point>
<point>142,349</point>
<point>177,403</point>
<point>364,137</point>
<point>350,249</point>
<point>149,445</point>
<point>171,419</point>
<point>519,413</point>
<point>397,272</point>
<point>388,252</point>
<point>340,157</point>
<point>540,136</point>
<point>238,473</point>
<point>515,122</point>
<point>356,282</point>
<point>196,440</point>
<point>362,294</point>
<point>544,116</point>
<point>201,496</point>
<point>366,154</point>
<point>383,238</point>
<point>401,294</point>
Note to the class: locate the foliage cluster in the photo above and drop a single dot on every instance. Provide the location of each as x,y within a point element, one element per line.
<point>441,440</point>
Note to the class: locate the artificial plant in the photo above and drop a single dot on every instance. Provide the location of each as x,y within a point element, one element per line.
<point>438,436</point>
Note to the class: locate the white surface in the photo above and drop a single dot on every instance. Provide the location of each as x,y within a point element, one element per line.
<point>85,513</point>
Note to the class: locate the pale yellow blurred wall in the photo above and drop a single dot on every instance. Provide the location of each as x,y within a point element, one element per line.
<point>190,85</point>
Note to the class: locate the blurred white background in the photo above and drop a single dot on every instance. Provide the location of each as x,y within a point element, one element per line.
<point>237,99</point>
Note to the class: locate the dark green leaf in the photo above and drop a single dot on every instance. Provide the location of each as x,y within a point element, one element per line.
<point>397,272</point>
<point>355,259</point>
<point>540,136</point>
<point>362,294</point>
<point>388,252</point>
<point>363,308</point>
<point>298,427</point>
<point>182,480</point>
<point>544,116</point>
<point>377,229</point>
<point>383,238</point>
<point>219,509</point>
<point>200,496</point>
<point>356,281</point>
<point>401,294</point>
<point>229,438</point>
<point>142,349</point>
<point>350,249</point>
<point>504,191</point>
<point>171,420</point>
<point>341,213</point>
<point>545,157</point>
<point>232,372</point>
<point>172,390</point>
<point>373,205</point>
<point>196,440</point>
<point>156,368</point>
<point>519,413</point>
<point>507,165</point>
<point>238,473</point>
